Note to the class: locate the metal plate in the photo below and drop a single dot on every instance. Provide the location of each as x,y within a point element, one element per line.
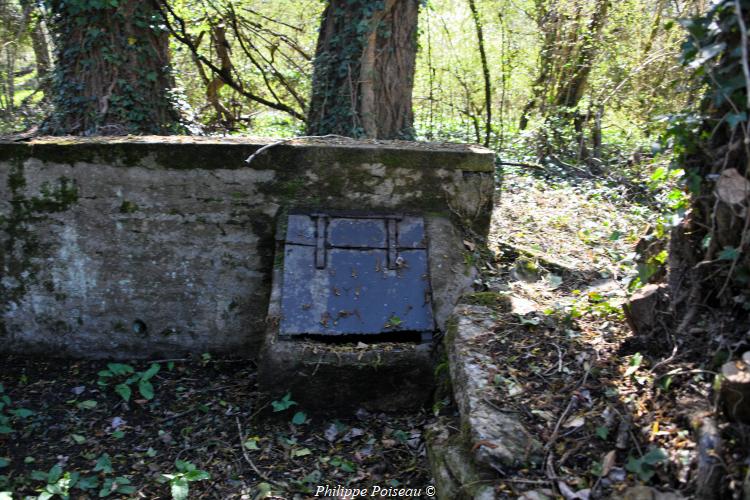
<point>363,275</point>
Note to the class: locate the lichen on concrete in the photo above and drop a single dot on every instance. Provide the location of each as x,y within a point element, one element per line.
<point>20,246</point>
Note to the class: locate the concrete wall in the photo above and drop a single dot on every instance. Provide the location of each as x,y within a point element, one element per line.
<point>154,246</point>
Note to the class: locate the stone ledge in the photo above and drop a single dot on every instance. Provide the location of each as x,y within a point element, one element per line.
<point>230,152</point>
<point>339,378</point>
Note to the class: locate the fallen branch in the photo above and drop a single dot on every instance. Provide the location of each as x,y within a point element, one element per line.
<point>284,141</point>
<point>518,164</point>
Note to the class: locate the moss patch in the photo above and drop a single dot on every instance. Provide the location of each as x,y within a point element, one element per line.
<point>128,207</point>
<point>493,300</point>
<point>21,247</point>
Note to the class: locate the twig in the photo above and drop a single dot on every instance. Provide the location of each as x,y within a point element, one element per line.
<point>518,164</point>
<point>178,415</point>
<point>743,35</point>
<point>665,360</point>
<point>526,481</point>
<point>249,460</point>
<point>553,437</point>
<point>284,141</point>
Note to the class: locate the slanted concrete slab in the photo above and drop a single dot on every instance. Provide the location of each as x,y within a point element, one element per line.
<point>498,439</point>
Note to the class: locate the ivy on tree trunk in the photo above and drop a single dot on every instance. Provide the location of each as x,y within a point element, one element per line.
<point>112,74</point>
<point>709,261</point>
<point>364,70</point>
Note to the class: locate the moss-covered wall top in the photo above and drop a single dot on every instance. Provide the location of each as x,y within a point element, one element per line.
<point>152,245</point>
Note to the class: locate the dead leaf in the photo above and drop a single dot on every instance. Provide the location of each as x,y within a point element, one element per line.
<point>388,443</point>
<point>354,432</point>
<point>522,306</point>
<point>608,462</point>
<point>331,432</point>
<point>732,187</point>
<point>546,415</point>
<point>486,443</point>
<point>471,246</point>
<point>574,422</point>
<point>569,494</point>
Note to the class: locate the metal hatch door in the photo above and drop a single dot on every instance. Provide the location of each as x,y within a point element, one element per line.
<point>363,274</point>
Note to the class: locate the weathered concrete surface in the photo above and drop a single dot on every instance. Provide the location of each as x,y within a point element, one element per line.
<point>379,376</point>
<point>456,475</point>
<point>153,246</point>
<point>498,439</point>
<point>468,457</point>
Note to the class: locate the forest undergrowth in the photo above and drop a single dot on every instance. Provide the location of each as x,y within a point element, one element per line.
<point>611,409</point>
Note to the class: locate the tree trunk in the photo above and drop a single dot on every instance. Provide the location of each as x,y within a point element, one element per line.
<point>39,45</point>
<point>221,47</point>
<point>573,82</point>
<point>485,72</point>
<point>364,70</point>
<point>734,396</point>
<point>112,72</point>
<point>41,52</point>
<point>709,252</point>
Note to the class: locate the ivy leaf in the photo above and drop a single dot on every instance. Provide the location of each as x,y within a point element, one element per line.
<point>299,418</point>
<point>197,475</point>
<point>733,119</point>
<point>104,464</point>
<point>644,466</point>
<point>707,53</point>
<point>54,474</point>
<point>152,370</point>
<point>146,389</point>
<point>87,405</point>
<point>602,433</point>
<point>87,483</point>
<point>120,369</point>
<point>302,452</point>
<point>634,364</point>
<point>729,253</point>
<point>283,403</point>
<point>38,475</point>
<point>124,391</point>
<point>22,412</point>
<point>179,488</point>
